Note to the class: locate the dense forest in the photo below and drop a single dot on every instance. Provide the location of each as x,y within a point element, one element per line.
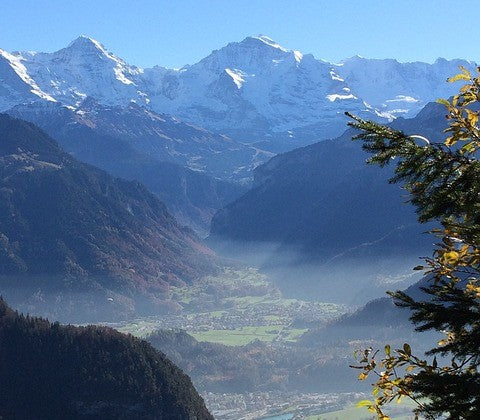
<point>58,372</point>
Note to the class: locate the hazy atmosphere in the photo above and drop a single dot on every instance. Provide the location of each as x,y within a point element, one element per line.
<point>239,210</point>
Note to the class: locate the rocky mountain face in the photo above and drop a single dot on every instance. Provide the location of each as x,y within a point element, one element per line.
<point>156,150</point>
<point>322,207</point>
<point>254,90</point>
<point>76,239</point>
<point>159,136</point>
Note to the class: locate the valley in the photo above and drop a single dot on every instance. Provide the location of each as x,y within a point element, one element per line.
<point>251,349</point>
<point>237,307</point>
<point>205,241</point>
<point>242,324</point>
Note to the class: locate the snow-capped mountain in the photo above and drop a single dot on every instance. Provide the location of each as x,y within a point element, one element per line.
<point>253,84</point>
<point>16,85</point>
<point>254,90</point>
<point>84,69</point>
<point>158,136</point>
<point>400,89</point>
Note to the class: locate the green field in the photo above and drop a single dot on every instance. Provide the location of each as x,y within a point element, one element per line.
<point>241,299</point>
<point>245,335</point>
<point>140,328</point>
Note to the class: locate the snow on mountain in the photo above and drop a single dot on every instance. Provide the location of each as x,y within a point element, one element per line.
<point>400,89</point>
<point>159,136</point>
<point>254,90</point>
<point>254,84</point>
<point>16,85</point>
<point>84,69</point>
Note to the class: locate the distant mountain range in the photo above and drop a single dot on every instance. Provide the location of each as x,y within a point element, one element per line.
<point>159,136</point>
<point>188,133</point>
<point>255,90</point>
<point>76,239</point>
<point>181,132</point>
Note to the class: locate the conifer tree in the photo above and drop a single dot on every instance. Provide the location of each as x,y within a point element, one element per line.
<point>443,181</point>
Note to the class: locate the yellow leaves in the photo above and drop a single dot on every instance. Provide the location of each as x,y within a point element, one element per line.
<point>451,257</point>
<point>472,289</point>
<point>464,75</point>
<point>472,117</point>
<point>458,77</point>
<point>450,141</point>
<point>362,376</point>
<point>451,337</point>
<point>410,368</point>
<point>468,148</point>
<point>464,122</point>
<point>464,250</point>
<point>443,102</point>
<point>373,408</point>
<point>387,350</point>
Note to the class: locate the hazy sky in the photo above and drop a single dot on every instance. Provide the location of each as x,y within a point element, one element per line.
<point>176,32</point>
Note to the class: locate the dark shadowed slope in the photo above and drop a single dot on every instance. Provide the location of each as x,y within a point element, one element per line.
<point>380,319</point>
<point>60,372</point>
<point>158,151</point>
<point>67,228</point>
<point>322,205</point>
<point>316,195</point>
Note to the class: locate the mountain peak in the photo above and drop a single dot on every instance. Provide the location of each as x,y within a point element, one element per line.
<point>84,42</point>
<point>262,40</point>
<point>270,42</point>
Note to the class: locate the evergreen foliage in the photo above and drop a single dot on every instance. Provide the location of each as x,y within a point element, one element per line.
<point>50,371</point>
<point>443,180</point>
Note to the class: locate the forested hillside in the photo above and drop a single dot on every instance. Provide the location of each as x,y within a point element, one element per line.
<point>74,238</point>
<point>52,371</point>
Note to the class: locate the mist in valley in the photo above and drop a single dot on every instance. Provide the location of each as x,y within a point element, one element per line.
<point>218,212</point>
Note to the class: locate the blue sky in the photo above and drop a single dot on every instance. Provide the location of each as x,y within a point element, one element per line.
<point>176,32</point>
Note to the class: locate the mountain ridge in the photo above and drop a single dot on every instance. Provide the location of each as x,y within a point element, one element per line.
<point>78,240</point>
<point>254,90</point>
<point>177,162</point>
